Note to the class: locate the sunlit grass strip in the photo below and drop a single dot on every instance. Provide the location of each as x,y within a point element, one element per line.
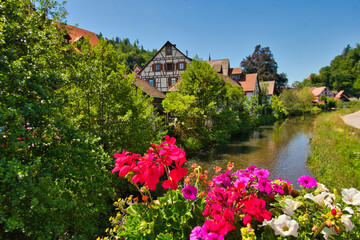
<point>335,150</point>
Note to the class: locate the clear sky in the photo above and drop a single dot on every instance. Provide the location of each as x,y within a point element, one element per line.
<point>303,35</point>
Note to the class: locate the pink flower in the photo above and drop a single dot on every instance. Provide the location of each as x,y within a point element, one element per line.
<point>307,181</point>
<point>196,233</point>
<point>189,192</point>
<point>261,173</point>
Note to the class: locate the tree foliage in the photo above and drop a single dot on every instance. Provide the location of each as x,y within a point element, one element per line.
<point>105,102</point>
<point>342,74</point>
<point>55,179</point>
<point>132,54</point>
<point>207,109</point>
<point>297,102</point>
<point>263,63</point>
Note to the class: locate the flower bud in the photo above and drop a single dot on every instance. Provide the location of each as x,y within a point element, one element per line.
<point>333,211</point>
<point>314,228</point>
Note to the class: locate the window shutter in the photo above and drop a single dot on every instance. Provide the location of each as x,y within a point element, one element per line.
<point>155,82</point>
<point>161,67</point>
<point>153,67</point>
<point>177,66</point>
<point>169,82</point>
<point>165,69</point>
<point>184,65</point>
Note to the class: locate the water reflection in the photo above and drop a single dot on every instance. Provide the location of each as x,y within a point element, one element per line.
<point>282,149</point>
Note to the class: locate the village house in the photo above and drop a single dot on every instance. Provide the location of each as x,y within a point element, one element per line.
<point>342,97</point>
<point>75,34</point>
<point>268,87</point>
<point>319,91</point>
<point>248,82</point>
<point>165,68</point>
<point>152,92</point>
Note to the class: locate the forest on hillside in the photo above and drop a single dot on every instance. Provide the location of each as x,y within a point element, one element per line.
<point>132,54</point>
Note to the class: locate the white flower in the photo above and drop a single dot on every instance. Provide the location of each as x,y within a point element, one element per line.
<point>345,219</point>
<point>349,210</point>
<point>291,206</point>
<point>322,199</point>
<point>321,188</point>
<point>284,226</point>
<point>351,196</point>
<point>328,232</point>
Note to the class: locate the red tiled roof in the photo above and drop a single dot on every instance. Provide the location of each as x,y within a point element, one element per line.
<point>234,71</point>
<point>227,79</point>
<point>250,82</point>
<point>270,86</point>
<point>317,90</point>
<point>76,33</point>
<point>173,87</point>
<point>338,96</point>
<point>220,65</point>
<point>148,89</point>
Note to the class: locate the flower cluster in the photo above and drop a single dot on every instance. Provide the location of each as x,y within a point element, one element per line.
<point>244,202</point>
<point>237,194</point>
<point>160,159</point>
<point>247,200</point>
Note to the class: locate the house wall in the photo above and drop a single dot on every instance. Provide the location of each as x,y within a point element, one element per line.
<point>164,69</point>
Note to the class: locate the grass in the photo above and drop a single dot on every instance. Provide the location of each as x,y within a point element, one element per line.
<point>335,151</point>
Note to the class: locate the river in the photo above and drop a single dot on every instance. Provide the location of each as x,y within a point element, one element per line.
<point>282,149</point>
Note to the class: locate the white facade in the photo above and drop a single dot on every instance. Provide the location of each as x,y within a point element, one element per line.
<point>165,68</point>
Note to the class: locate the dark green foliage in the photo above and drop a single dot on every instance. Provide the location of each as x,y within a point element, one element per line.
<point>132,54</point>
<point>55,180</point>
<point>263,63</point>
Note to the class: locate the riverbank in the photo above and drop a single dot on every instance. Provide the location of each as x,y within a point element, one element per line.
<point>335,151</point>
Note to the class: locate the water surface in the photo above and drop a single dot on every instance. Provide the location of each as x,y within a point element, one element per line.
<point>282,149</point>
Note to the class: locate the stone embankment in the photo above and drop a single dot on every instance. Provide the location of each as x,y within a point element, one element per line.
<point>352,119</point>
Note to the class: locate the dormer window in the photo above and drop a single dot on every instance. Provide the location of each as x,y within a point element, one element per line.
<point>168,51</point>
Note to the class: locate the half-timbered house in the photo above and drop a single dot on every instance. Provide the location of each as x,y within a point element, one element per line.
<point>165,68</point>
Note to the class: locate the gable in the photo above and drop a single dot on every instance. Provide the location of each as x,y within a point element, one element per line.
<point>163,54</point>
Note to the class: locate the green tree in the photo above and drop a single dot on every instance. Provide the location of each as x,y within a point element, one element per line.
<point>263,63</point>
<point>207,108</point>
<point>106,103</point>
<point>55,180</point>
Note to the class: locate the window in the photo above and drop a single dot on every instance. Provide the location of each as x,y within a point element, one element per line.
<point>169,67</point>
<point>151,82</point>
<point>235,76</point>
<point>173,81</point>
<point>181,66</point>
<point>168,51</point>
<point>157,67</point>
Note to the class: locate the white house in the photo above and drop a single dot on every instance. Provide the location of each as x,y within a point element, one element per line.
<point>165,68</point>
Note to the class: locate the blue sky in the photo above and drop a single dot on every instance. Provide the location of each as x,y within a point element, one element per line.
<point>303,35</point>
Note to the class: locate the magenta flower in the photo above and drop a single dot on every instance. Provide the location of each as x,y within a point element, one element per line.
<point>261,173</point>
<point>307,181</point>
<point>196,234</point>
<point>189,192</point>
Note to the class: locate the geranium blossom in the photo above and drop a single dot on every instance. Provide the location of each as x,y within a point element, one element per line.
<point>307,181</point>
<point>284,226</point>
<point>189,192</point>
<point>351,196</point>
